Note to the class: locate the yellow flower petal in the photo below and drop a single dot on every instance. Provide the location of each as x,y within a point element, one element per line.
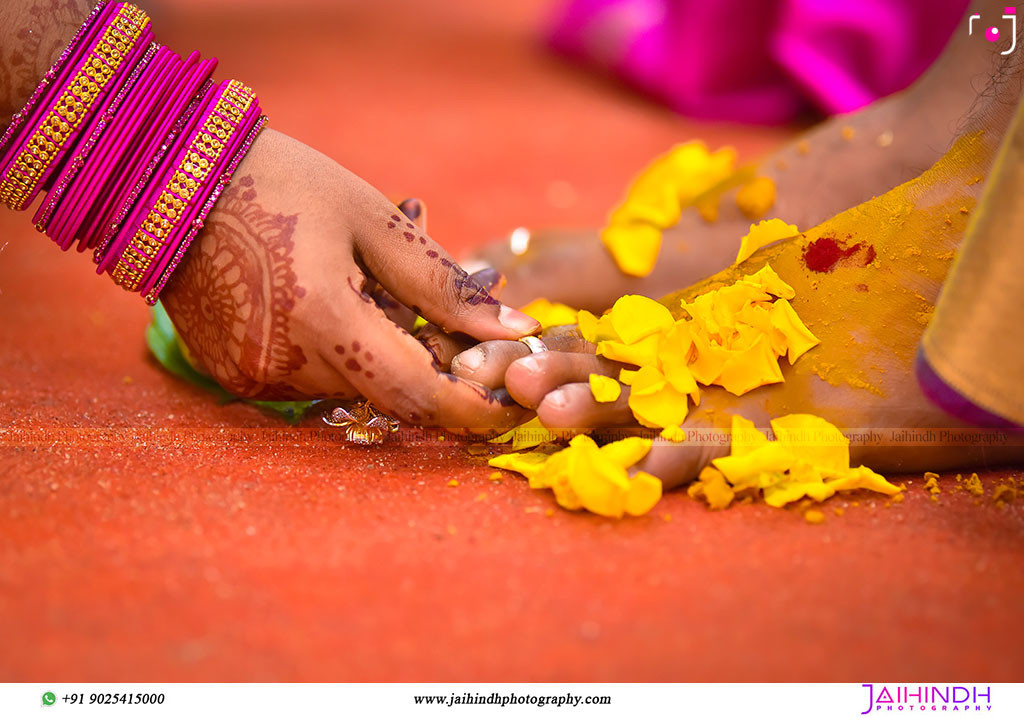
<point>634,247</point>
<point>730,300</point>
<point>799,339</point>
<point>745,436</point>
<point>637,317</point>
<point>643,353</point>
<point>627,376</point>
<point>655,205</point>
<point>763,234</point>
<point>715,489</point>
<point>600,484</point>
<point>710,360</point>
<point>809,459</point>
<point>766,279</point>
<point>863,477</point>
<point>645,382</point>
<point>757,315</point>
<point>532,433</point>
<point>673,433</point>
<point>746,370</point>
<point>557,474</point>
<point>585,476</point>
<point>674,353</point>
<point>779,495</point>
<point>743,471</point>
<point>663,408</point>
<point>628,451</point>
<point>702,312</point>
<point>756,197</point>
<point>814,440</point>
<point>644,493</point>
<point>550,313</point>
<point>595,329</point>
<point>530,465</point>
<point>655,199</point>
<point>696,170</point>
<point>604,388</point>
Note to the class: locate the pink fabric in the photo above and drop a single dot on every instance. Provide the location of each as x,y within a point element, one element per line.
<point>763,61</point>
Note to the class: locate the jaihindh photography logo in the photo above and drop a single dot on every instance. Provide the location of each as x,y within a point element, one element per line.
<point>927,698</point>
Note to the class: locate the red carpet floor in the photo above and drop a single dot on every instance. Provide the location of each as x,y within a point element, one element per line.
<point>149,534</point>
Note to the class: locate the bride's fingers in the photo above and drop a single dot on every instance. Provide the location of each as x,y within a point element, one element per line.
<point>531,378</point>
<point>423,276</point>
<point>400,314</point>
<point>487,362</point>
<point>572,406</point>
<point>444,346</point>
<point>392,369</point>
<point>416,211</point>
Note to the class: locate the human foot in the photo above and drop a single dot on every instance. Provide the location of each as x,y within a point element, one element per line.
<point>836,165</point>
<point>866,282</point>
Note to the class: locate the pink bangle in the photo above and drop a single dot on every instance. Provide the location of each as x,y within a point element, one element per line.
<point>115,148</point>
<point>158,166</point>
<point>111,211</point>
<point>28,168</point>
<point>197,224</point>
<point>233,140</point>
<point>55,70</point>
<point>72,169</point>
<point>132,144</point>
<point>160,216</point>
<point>231,128</point>
<point>58,86</point>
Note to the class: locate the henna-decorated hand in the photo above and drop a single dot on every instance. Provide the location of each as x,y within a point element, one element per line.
<point>274,298</point>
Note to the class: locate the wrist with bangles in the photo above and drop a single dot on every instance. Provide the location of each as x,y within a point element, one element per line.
<point>131,144</point>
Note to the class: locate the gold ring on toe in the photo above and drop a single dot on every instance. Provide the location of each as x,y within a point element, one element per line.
<point>535,345</point>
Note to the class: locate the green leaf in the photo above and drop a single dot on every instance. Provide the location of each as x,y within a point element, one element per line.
<point>165,345</point>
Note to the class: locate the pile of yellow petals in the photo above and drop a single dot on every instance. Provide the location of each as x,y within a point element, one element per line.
<point>550,313</point>
<point>586,476</point>
<point>529,434</point>
<point>733,338</point>
<point>674,180</point>
<point>763,234</point>
<point>809,458</point>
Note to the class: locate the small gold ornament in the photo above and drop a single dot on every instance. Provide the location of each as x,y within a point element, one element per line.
<point>363,423</point>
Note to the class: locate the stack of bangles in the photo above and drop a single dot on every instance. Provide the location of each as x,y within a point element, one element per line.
<point>131,144</point>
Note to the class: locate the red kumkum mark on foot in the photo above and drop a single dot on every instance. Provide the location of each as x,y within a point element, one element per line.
<point>822,255</point>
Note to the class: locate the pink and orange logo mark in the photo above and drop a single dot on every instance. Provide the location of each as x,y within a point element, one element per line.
<point>992,34</point>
